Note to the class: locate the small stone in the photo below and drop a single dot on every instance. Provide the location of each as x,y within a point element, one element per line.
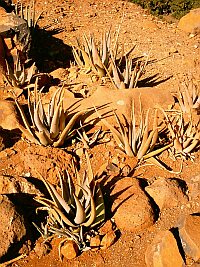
<point>112,169</point>
<point>41,249</point>
<point>107,227</point>
<point>60,74</point>
<point>78,87</point>
<point>9,44</point>
<point>94,78</point>
<point>108,240</point>
<point>173,50</point>
<point>125,169</point>
<point>163,251</point>
<point>70,250</point>
<point>150,25</point>
<point>189,233</point>
<point>95,242</point>
<point>80,152</point>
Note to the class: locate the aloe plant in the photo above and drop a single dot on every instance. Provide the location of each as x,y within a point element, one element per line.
<point>51,128</point>
<point>92,57</point>
<point>19,76</point>
<point>129,77</point>
<point>27,13</point>
<point>138,141</point>
<point>74,208</point>
<point>188,98</point>
<point>185,136</point>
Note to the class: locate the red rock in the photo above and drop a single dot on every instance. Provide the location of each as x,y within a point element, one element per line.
<point>17,184</point>
<point>41,249</point>
<point>189,233</point>
<point>12,228</point>
<point>2,146</point>
<point>108,240</point>
<point>11,21</point>
<point>44,160</point>
<point>95,242</point>
<point>166,193</point>
<point>163,251</point>
<point>190,23</point>
<point>131,207</point>
<point>2,61</point>
<point>121,100</point>
<point>70,250</point>
<point>59,73</point>
<point>8,115</point>
<point>107,227</point>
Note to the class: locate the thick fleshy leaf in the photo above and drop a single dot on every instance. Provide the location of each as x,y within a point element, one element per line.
<point>80,212</point>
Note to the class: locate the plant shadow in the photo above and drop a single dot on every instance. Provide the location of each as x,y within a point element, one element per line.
<point>48,51</point>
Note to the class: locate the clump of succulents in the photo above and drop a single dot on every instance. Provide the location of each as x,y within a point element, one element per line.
<point>128,78</point>
<point>73,209</point>
<point>104,59</point>
<point>185,134</point>
<point>27,13</point>
<point>140,140</point>
<point>53,127</point>
<point>188,98</point>
<point>17,75</point>
<point>92,57</point>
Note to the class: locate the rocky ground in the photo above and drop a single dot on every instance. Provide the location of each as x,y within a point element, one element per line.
<point>152,215</point>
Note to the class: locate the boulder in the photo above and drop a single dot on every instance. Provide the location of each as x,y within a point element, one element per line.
<point>12,185</point>
<point>110,99</point>
<point>45,160</point>
<point>2,145</point>
<point>163,251</point>
<point>11,23</point>
<point>12,227</point>
<point>190,23</point>
<point>131,207</point>
<point>189,233</point>
<point>3,67</point>
<point>167,193</point>
<point>8,115</point>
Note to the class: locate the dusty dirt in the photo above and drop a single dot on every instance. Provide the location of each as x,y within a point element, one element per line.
<point>174,56</point>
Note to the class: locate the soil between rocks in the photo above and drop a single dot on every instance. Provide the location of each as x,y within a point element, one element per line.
<point>174,57</point>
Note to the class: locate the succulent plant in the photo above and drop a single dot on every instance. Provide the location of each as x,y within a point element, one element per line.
<point>184,135</point>
<point>52,128</point>
<point>88,141</point>
<point>74,208</point>
<point>27,13</point>
<point>104,60</point>
<point>129,77</point>
<point>18,76</point>
<point>90,57</point>
<point>138,141</point>
<point>189,99</point>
